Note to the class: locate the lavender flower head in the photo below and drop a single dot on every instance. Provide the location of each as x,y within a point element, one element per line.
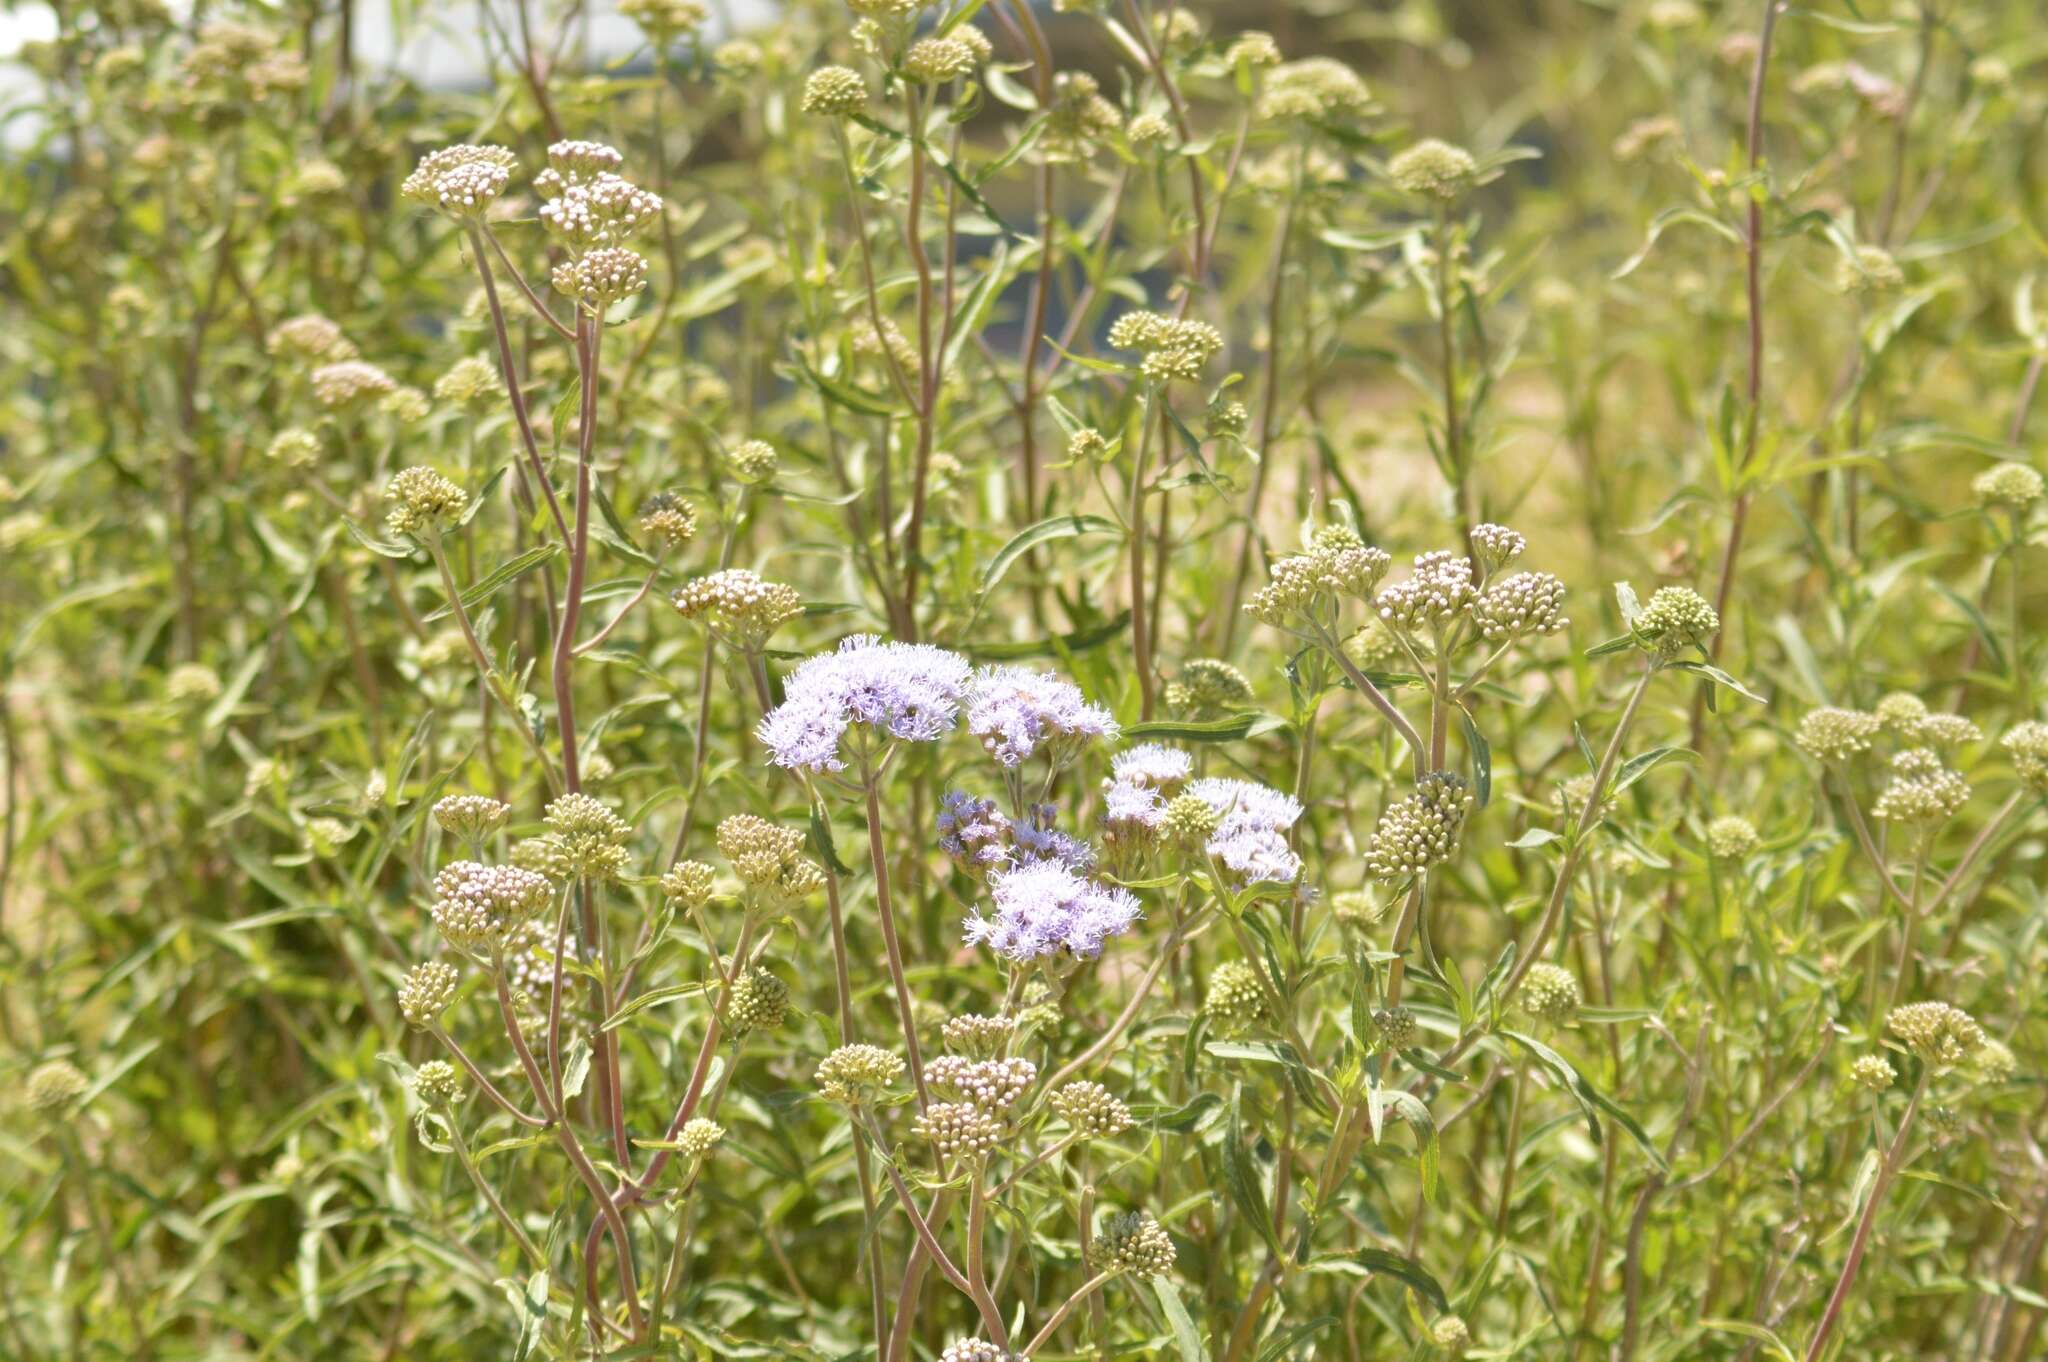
<point>911,691</point>
<point>983,840</point>
<point>1046,908</point>
<point>1015,711</point>
<point>1151,764</point>
<point>1251,829</point>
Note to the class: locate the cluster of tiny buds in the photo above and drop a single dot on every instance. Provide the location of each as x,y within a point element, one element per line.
<point>758,1001</point>
<point>1873,1072</point>
<point>1091,1110</point>
<point>1922,790</point>
<point>475,905</point>
<point>668,520</point>
<point>438,1084</point>
<point>994,1085</point>
<point>757,848</point>
<point>1437,593</point>
<point>543,856</point>
<point>834,92</point>
<point>975,1350</point>
<point>1134,1243</point>
<point>1421,830</point>
<point>1235,999</point>
<point>1433,169</point>
<point>1207,688</point>
<point>423,503</point>
<point>976,1036</point>
<point>350,382</point>
<point>2027,745</point>
<point>1550,994</point>
<point>1831,735</point>
<point>960,1130</point>
<point>1393,1028</point>
<point>1336,564</point>
<point>461,181</point>
<point>1525,604</point>
<point>471,817</point>
<point>54,1087</point>
<point>590,835</point>
<point>1731,838</point>
<point>1173,348</point>
<point>752,462</point>
<point>698,1137</point>
<point>738,605</point>
<point>1676,619</point>
<point>426,992</point>
<point>600,277</point>
<point>1189,822</point>
<point>2011,486</point>
<point>308,338</point>
<point>1448,1334</point>
<point>934,61</point>
<point>856,1074</point>
<point>689,883</point>
<point>1938,1033</point>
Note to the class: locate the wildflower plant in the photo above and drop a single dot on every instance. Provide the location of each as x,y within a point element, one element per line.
<point>1002,682</point>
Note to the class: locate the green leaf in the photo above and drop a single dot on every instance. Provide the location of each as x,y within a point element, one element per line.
<point>1208,730</point>
<point>1044,532</point>
<point>1636,767</point>
<point>1590,1099</point>
<point>1242,1179</point>
<point>1059,645</point>
<point>488,585</point>
<point>384,547</point>
<point>1185,1336</point>
<point>1407,1270</point>
<point>1719,678</point>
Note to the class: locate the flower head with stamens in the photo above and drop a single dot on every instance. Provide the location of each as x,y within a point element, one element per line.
<point>907,691</point>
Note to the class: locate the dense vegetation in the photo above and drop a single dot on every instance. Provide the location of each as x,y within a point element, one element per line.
<point>969,680</point>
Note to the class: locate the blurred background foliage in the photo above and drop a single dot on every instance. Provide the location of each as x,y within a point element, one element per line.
<point>224,712</point>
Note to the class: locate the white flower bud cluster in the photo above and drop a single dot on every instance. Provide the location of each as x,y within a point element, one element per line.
<point>471,817</point>
<point>958,1129</point>
<point>2027,745</point>
<point>1091,1110</point>
<point>1834,735</point>
<point>738,605</point>
<point>476,905</point>
<point>834,92</point>
<point>1549,993</point>
<point>1922,790</point>
<point>426,992</point>
<point>1421,830</point>
<point>1433,169</point>
<point>604,210</point>
<point>349,382</point>
<point>1521,605</point>
<point>601,277</point>
<point>461,181</point>
<point>976,1036</point>
<point>422,502</point>
<point>1134,1243</point>
<point>1939,1034</point>
<point>855,1074</point>
<point>1436,593</point>
<point>994,1085</point>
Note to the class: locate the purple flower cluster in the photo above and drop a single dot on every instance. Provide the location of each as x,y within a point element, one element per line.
<point>906,690</point>
<point>1140,779</point>
<point>1045,908</point>
<point>1015,711</point>
<point>973,833</point>
<point>1251,829</point>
